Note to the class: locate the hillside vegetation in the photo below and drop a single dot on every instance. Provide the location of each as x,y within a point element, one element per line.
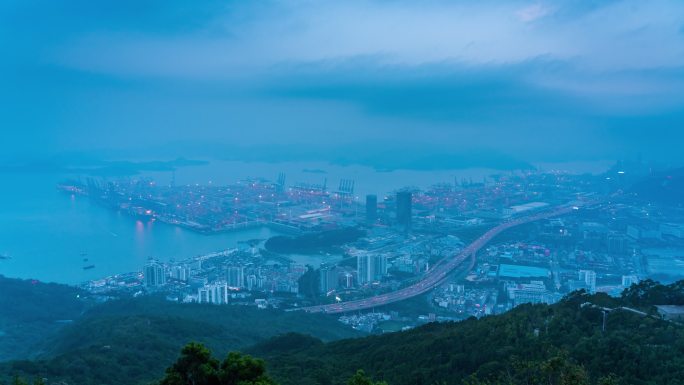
<point>131,341</point>
<point>31,311</point>
<point>567,343</point>
<point>532,344</point>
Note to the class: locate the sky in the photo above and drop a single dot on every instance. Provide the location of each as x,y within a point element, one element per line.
<point>536,80</point>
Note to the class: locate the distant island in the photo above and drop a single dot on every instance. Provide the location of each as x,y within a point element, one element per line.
<point>97,167</point>
<point>314,171</point>
<point>385,158</point>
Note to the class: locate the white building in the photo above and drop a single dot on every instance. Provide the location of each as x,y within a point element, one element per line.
<point>370,268</point>
<point>216,293</point>
<point>589,278</point>
<point>524,208</point>
<point>629,280</point>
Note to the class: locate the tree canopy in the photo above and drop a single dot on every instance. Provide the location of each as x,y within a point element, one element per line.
<point>196,366</point>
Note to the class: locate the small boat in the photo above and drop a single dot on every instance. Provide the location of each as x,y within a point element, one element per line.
<point>88,267</point>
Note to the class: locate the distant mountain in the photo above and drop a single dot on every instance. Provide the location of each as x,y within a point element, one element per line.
<point>663,187</point>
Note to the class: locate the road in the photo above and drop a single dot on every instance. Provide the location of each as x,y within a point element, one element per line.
<point>440,271</point>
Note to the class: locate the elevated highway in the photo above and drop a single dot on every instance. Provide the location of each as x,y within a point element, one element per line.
<point>441,270</point>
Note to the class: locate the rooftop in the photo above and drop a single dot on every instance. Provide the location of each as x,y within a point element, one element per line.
<point>521,271</point>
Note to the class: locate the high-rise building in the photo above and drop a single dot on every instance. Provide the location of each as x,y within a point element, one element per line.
<point>363,269</point>
<point>154,274</point>
<point>236,276</point>
<point>204,295</point>
<point>252,282</point>
<point>220,293</point>
<point>589,278</point>
<point>348,281</point>
<point>371,208</point>
<point>216,293</point>
<point>370,268</point>
<point>404,208</point>
<point>617,243</point>
<point>329,279</point>
<point>379,264</point>
<point>181,273</point>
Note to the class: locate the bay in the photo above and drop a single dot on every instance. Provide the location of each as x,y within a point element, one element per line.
<point>49,234</point>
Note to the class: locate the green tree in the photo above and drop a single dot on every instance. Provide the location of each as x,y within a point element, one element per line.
<point>560,371</point>
<point>360,378</point>
<point>196,366</point>
<point>610,379</point>
<point>241,369</point>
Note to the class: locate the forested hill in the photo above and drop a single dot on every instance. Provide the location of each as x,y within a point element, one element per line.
<point>532,344</point>
<point>131,341</point>
<point>31,311</point>
<point>561,344</point>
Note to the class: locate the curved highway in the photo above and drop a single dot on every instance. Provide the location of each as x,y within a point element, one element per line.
<point>440,271</point>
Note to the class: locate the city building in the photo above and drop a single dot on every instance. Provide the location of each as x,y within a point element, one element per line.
<point>533,292</point>
<point>363,269</point>
<point>371,208</point>
<point>370,268</point>
<point>180,273</point>
<point>329,279</point>
<point>348,281</point>
<point>236,277</point>
<point>155,274</point>
<point>379,264</point>
<point>671,312</point>
<point>215,293</point>
<point>589,278</point>
<point>618,244</point>
<point>629,280</point>
<point>252,282</point>
<point>404,208</point>
<point>524,208</point>
<point>405,264</point>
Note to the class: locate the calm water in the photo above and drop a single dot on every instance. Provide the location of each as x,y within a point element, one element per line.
<point>46,231</point>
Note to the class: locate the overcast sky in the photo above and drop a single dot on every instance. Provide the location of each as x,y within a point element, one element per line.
<point>537,80</point>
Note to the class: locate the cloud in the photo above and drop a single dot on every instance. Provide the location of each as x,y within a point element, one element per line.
<point>514,74</point>
<point>628,34</point>
<point>598,50</point>
<point>533,12</point>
